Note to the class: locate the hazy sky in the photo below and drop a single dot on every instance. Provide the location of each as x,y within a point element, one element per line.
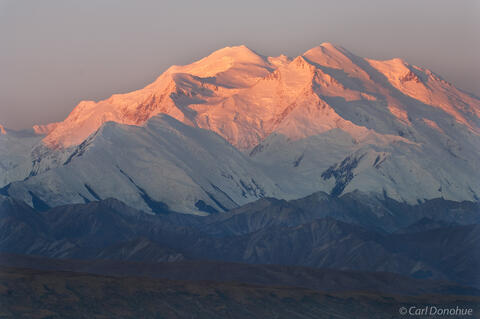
<point>54,53</point>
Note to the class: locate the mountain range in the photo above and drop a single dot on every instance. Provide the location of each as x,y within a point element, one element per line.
<point>319,186</point>
<point>237,126</point>
<point>439,240</point>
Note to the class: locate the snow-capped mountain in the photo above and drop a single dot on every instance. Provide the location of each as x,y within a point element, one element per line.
<point>16,154</point>
<point>164,165</point>
<point>245,97</point>
<point>326,120</point>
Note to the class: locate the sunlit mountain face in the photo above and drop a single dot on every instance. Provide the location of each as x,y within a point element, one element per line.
<point>245,97</point>
<point>236,126</point>
<point>326,171</point>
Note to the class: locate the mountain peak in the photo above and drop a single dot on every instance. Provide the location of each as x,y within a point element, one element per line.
<point>329,46</point>
<point>326,48</point>
<point>238,53</point>
<point>232,93</point>
<point>302,63</point>
<point>331,56</point>
<point>222,60</point>
<point>235,48</point>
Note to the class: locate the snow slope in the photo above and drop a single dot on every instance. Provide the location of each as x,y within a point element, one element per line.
<point>15,154</point>
<point>164,165</point>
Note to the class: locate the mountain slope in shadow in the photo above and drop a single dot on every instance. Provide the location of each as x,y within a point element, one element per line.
<point>281,233</point>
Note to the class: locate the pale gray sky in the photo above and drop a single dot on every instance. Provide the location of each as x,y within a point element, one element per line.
<point>54,53</point>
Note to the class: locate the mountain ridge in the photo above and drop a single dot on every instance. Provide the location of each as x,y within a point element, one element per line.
<point>239,65</point>
<point>326,120</point>
<point>319,231</point>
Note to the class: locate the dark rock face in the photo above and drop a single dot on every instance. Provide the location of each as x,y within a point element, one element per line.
<point>343,174</point>
<point>204,207</point>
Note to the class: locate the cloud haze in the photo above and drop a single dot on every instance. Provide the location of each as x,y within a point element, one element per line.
<point>55,53</point>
